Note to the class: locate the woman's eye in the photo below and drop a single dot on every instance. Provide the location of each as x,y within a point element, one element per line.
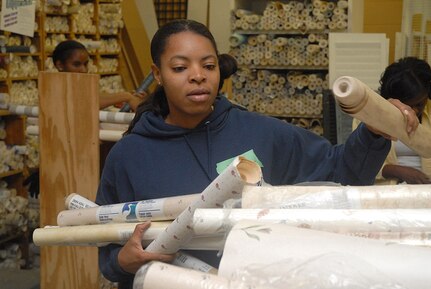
<point>179,68</point>
<point>210,66</point>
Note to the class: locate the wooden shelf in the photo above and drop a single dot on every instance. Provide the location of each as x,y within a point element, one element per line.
<point>4,112</point>
<point>10,173</point>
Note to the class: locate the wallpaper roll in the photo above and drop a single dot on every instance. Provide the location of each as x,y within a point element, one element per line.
<point>158,275</point>
<point>217,221</point>
<point>138,211</point>
<point>101,235</point>
<point>361,102</point>
<point>338,197</point>
<point>105,135</point>
<point>24,110</point>
<point>228,185</point>
<point>249,242</point>
<point>116,117</point>
<point>76,201</point>
<point>110,135</point>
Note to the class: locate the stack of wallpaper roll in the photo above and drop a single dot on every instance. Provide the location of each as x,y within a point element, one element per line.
<point>107,65</point>
<point>56,24</point>
<point>91,45</point>
<point>110,18</point>
<point>294,94</point>
<point>12,157</point>
<point>111,84</point>
<point>11,257</point>
<point>109,45</point>
<point>112,126</point>
<point>294,15</point>
<point>24,93</point>
<point>13,211</point>
<point>52,40</point>
<point>83,20</point>
<point>281,51</point>
<point>32,156</point>
<point>23,66</point>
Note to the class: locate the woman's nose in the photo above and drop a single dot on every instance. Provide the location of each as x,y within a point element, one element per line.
<point>198,75</point>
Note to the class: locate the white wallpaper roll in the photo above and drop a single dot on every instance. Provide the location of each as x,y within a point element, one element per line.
<point>100,235</point>
<point>358,100</point>
<point>138,211</point>
<point>24,110</point>
<point>252,243</point>
<point>76,201</point>
<point>157,275</point>
<point>217,221</point>
<point>106,135</point>
<point>338,197</point>
<point>228,185</point>
<point>116,117</point>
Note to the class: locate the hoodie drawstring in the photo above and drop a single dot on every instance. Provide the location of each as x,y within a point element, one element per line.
<point>208,170</point>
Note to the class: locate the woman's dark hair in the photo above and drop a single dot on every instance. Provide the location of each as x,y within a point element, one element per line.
<point>65,49</point>
<point>157,101</point>
<point>406,79</point>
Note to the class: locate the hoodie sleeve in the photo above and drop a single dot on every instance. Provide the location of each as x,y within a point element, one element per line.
<point>308,157</point>
<point>364,155</point>
<point>108,264</point>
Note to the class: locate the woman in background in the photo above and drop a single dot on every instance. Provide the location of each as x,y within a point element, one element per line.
<point>72,56</point>
<point>409,80</point>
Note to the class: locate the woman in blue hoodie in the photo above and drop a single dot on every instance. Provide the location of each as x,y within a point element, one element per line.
<point>184,135</point>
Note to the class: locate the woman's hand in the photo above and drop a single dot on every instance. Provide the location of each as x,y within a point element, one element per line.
<point>405,174</point>
<point>135,99</point>
<point>409,115</point>
<point>132,256</point>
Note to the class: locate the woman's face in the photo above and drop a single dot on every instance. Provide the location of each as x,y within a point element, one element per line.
<point>77,62</point>
<point>190,76</point>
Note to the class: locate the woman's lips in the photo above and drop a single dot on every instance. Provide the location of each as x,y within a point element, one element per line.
<point>198,95</point>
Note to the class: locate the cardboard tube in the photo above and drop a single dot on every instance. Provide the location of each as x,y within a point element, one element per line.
<point>361,102</point>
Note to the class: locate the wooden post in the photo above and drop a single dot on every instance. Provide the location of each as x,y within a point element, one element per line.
<point>69,163</point>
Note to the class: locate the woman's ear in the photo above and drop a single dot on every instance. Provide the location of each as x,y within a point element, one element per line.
<point>59,65</point>
<point>156,74</point>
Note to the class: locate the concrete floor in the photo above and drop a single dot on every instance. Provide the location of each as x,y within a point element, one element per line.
<point>20,279</point>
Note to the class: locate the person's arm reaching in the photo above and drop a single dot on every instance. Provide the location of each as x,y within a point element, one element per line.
<point>133,99</point>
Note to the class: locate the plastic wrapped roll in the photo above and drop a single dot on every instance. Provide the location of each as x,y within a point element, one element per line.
<point>138,211</point>
<point>338,197</point>
<point>358,100</point>
<point>237,39</point>
<point>218,221</point>
<point>150,275</point>
<point>251,243</point>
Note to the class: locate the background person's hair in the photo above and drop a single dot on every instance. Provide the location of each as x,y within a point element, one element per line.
<point>157,102</point>
<point>65,49</point>
<point>406,79</point>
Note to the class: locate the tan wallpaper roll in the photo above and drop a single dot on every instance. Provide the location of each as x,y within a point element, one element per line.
<point>358,100</point>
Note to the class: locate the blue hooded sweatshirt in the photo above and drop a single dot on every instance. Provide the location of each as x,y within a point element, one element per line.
<point>161,160</point>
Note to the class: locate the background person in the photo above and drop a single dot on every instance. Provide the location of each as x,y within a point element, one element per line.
<point>72,56</point>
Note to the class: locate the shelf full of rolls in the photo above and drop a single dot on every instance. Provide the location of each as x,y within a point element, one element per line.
<point>282,52</point>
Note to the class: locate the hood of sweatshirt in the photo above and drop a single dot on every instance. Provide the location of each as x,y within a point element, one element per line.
<point>151,125</point>
<point>154,126</point>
